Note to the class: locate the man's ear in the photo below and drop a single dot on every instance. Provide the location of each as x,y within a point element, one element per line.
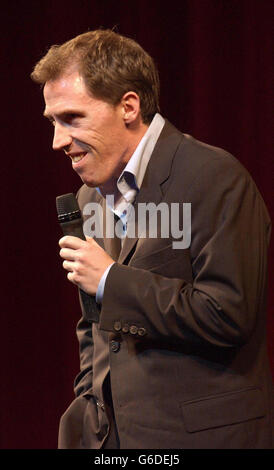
<point>131,107</point>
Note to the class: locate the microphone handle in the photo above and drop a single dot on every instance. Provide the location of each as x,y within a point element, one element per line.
<point>73,228</point>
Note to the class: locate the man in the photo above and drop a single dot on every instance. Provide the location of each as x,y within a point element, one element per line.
<point>173,342</point>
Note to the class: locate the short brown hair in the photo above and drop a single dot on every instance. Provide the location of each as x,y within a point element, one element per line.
<point>111,65</point>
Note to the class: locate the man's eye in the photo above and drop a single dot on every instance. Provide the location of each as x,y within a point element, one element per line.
<point>71,117</point>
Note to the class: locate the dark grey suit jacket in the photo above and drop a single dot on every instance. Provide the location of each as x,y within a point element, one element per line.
<point>181,332</point>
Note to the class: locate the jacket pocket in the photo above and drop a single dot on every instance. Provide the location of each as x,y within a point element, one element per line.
<point>224,409</point>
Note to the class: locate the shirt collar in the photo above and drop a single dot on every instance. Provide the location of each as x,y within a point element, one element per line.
<point>137,164</point>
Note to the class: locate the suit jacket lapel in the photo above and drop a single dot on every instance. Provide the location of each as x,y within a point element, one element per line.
<point>112,244</point>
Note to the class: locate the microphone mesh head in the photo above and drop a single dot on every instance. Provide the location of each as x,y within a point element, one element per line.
<point>66,204</point>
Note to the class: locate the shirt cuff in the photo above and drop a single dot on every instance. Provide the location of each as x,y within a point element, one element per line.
<point>101,285</point>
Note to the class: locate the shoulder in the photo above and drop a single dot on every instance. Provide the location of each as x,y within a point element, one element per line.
<point>86,195</point>
<point>200,170</point>
<point>195,160</point>
<point>200,156</point>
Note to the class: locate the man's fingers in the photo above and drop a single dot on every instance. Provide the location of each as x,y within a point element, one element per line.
<point>67,253</point>
<point>71,242</point>
<point>71,278</point>
<point>68,265</point>
<point>85,262</point>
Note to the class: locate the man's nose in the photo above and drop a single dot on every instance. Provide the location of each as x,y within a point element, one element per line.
<point>61,138</point>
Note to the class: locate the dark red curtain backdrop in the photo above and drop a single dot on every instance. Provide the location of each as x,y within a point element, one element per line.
<point>214,59</point>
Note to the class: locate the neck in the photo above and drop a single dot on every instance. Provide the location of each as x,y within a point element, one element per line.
<point>110,187</point>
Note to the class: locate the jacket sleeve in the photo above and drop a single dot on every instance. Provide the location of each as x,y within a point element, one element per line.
<point>83,381</point>
<point>230,233</point>
<point>90,314</point>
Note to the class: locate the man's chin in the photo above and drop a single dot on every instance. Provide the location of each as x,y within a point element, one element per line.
<point>104,186</point>
<point>90,184</point>
<point>88,181</point>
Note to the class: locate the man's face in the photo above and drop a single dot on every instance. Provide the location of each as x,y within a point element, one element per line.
<point>90,131</point>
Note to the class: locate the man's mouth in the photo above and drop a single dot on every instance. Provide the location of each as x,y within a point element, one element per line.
<point>78,158</point>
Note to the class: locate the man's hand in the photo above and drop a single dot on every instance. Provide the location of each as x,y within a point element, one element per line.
<point>85,262</point>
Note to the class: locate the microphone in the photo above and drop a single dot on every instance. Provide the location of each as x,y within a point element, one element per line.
<point>69,215</point>
<point>71,222</point>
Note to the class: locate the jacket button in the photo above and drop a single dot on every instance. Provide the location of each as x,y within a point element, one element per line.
<point>133,329</point>
<point>117,326</point>
<point>141,331</point>
<point>114,346</point>
<point>125,328</point>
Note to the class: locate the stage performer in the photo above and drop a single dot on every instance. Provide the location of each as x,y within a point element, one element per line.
<point>173,341</point>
